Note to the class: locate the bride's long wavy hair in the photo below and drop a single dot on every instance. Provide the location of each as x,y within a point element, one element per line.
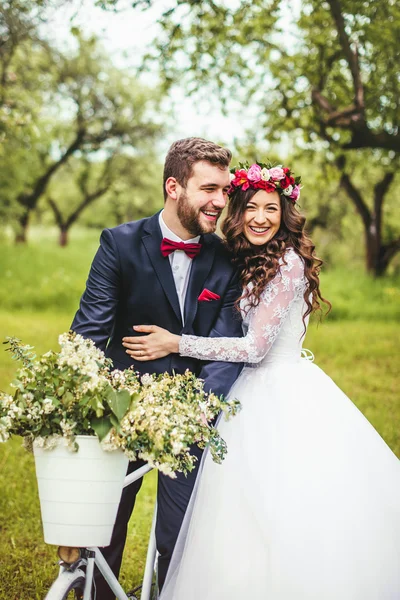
<point>259,264</point>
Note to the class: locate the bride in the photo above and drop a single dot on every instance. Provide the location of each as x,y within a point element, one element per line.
<point>306,506</point>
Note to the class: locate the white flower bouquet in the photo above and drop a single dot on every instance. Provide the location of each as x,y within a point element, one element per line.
<point>74,392</point>
<point>166,417</point>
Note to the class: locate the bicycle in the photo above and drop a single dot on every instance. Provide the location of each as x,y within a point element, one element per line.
<point>77,567</point>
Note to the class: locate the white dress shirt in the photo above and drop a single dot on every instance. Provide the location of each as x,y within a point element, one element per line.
<point>180,263</point>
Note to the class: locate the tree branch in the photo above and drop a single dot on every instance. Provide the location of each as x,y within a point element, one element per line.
<point>354,194</point>
<point>389,250</point>
<point>351,119</point>
<point>57,213</point>
<point>318,98</point>
<point>29,200</point>
<point>343,118</point>
<point>363,137</point>
<point>380,190</point>
<point>351,57</point>
<point>87,200</point>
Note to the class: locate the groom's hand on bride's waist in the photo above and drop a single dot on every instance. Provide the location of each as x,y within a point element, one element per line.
<point>157,343</point>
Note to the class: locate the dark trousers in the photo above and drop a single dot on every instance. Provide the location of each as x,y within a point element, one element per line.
<point>173,496</point>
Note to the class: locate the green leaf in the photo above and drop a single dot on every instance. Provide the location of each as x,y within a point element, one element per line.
<point>118,402</point>
<point>68,398</point>
<point>101,426</point>
<point>134,399</point>
<point>115,423</point>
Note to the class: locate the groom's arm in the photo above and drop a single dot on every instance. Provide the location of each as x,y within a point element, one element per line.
<point>220,376</point>
<point>96,315</point>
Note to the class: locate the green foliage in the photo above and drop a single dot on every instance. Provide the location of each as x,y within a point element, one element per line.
<point>300,68</point>
<point>20,352</point>
<point>60,393</point>
<point>169,414</point>
<point>84,106</point>
<point>124,187</point>
<point>21,62</point>
<point>75,391</point>
<point>119,401</point>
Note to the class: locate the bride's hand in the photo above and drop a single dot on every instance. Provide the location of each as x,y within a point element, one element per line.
<point>158,343</point>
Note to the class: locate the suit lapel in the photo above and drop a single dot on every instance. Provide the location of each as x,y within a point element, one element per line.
<point>200,269</point>
<point>161,265</point>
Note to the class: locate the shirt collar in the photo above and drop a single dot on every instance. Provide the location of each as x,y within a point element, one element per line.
<point>166,232</point>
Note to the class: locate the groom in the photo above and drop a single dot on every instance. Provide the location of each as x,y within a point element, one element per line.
<point>160,271</point>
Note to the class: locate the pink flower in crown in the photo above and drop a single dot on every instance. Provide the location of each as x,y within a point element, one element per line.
<point>276,173</point>
<point>295,195</point>
<point>254,173</point>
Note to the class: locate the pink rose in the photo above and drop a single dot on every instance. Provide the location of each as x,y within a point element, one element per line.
<point>277,173</point>
<point>254,173</point>
<point>295,195</point>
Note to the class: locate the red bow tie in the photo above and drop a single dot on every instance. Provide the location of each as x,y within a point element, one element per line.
<point>168,246</point>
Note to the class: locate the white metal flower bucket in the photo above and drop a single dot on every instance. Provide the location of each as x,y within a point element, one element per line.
<point>79,492</point>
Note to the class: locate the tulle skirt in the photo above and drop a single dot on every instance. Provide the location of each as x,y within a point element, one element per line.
<point>306,505</point>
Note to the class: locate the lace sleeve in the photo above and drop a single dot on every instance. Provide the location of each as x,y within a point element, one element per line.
<point>265,320</point>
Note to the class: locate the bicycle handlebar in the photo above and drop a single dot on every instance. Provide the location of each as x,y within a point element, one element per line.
<point>136,475</point>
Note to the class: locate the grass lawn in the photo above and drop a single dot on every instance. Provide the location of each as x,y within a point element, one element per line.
<point>362,357</point>
<point>42,276</point>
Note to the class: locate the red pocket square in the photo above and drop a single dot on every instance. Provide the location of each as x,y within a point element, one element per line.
<point>207,296</point>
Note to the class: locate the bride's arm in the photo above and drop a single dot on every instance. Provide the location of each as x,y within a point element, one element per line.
<point>265,323</point>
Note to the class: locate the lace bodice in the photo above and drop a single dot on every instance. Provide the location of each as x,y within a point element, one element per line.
<point>274,327</point>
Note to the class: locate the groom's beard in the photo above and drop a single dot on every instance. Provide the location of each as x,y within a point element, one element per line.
<point>190,218</point>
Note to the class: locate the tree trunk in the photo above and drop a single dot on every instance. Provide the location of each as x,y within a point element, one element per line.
<point>371,248</point>
<point>377,254</point>
<point>22,232</point>
<point>63,238</point>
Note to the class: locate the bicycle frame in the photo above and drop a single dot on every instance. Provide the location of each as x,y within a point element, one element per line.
<point>92,556</point>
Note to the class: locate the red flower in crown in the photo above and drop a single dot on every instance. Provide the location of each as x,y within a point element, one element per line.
<point>268,186</point>
<point>286,181</point>
<point>240,178</point>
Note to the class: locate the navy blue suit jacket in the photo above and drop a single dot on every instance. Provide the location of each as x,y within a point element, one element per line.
<point>131,283</point>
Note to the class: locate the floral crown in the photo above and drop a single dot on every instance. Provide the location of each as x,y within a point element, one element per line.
<point>264,176</point>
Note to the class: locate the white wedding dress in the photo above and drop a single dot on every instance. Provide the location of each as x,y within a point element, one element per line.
<point>306,505</point>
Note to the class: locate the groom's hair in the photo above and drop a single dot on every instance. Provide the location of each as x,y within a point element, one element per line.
<point>183,154</point>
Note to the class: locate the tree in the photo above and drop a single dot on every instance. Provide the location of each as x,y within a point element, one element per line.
<point>92,106</point>
<point>380,249</point>
<point>22,50</point>
<point>92,181</point>
<point>128,185</point>
<point>329,76</point>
